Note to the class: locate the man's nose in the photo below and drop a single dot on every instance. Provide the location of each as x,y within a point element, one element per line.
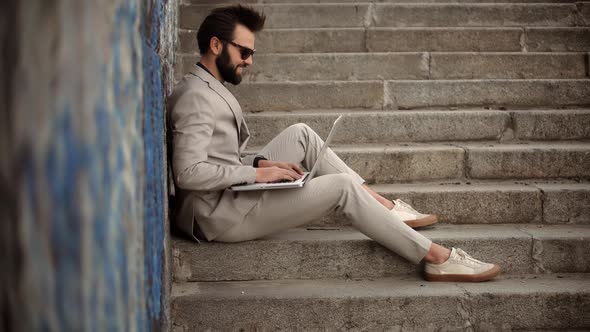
<point>249,60</point>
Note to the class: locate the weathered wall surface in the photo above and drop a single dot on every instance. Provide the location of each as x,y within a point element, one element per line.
<point>84,227</point>
<point>158,30</point>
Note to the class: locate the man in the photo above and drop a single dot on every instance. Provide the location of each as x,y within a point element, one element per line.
<point>209,135</point>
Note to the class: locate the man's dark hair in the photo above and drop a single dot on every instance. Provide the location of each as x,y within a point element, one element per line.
<point>222,22</point>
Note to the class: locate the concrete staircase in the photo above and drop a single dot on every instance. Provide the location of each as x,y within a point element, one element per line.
<point>476,111</point>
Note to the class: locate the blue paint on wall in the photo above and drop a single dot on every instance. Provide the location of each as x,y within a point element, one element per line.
<point>154,196</point>
<point>64,159</point>
<point>155,199</point>
<point>92,176</point>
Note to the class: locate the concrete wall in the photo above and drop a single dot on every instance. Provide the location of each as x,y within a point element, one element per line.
<point>84,233</point>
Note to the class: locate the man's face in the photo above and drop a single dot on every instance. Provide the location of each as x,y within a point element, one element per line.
<point>229,62</point>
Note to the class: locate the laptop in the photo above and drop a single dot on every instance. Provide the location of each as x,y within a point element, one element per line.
<point>307,176</point>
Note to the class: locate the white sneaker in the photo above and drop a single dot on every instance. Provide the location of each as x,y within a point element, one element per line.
<point>461,267</point>
<point>412,217</point>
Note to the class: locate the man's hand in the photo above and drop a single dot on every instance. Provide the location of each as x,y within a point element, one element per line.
<point>271,171</point>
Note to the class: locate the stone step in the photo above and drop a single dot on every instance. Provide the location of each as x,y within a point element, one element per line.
<point>309,95</point>
<point>427,126</point>
<point>433,39</point>
<point>259,2</point>
<point>535,160</point>
<point>417,162</point>
<point>548,302</point>
<point>421,94</point>
<point>557,39</point>
<point>391,163</point>
<point>346,253</point>
<point>412,94</point>
<point>278,67</point>
<point>401,15</point>
<point>487,202</point>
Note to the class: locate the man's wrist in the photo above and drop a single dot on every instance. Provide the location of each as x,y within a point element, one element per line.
<point>257,161</point>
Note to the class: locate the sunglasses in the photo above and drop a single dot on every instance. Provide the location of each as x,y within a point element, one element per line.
<point>245,52</point>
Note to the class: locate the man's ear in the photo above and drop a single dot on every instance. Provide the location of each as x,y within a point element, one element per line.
<point>216,46</point>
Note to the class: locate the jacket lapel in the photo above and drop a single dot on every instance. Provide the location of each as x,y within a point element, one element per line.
<point>229,98</point>
<point>244,136</point>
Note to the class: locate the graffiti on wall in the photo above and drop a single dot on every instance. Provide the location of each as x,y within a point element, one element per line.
<point>87,122</point>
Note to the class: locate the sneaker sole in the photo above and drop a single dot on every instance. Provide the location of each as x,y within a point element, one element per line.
<point>484,276</point>
<point>431,219</point>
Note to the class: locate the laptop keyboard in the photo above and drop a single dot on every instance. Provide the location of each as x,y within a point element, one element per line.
<point>283,181</point>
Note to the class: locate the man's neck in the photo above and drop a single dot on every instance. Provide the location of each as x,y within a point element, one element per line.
<point>211,66</point>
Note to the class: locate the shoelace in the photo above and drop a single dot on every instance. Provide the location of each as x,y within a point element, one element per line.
<point>465,257</point>
<point>406,206</point>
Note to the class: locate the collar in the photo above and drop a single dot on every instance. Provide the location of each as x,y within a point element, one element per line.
<point>205,68</point>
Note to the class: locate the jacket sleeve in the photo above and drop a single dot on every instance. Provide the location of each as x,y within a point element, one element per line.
<point>192,128</point>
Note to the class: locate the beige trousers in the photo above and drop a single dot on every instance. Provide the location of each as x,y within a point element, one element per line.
<point>335,187</point>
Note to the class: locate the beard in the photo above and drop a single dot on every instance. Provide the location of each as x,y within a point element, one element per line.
<point>226,70</point>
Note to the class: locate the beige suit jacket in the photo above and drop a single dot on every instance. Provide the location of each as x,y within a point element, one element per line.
<point>208,137</point>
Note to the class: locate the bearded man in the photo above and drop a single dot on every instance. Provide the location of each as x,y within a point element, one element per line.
<point>210,135</point>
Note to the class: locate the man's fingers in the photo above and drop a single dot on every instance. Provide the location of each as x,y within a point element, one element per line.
<point>275,173</point>
<point>296,168</point>
<point>294,174</point>
<point>279,174</point>
<point>291,166</point>
<point>288,174</point>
